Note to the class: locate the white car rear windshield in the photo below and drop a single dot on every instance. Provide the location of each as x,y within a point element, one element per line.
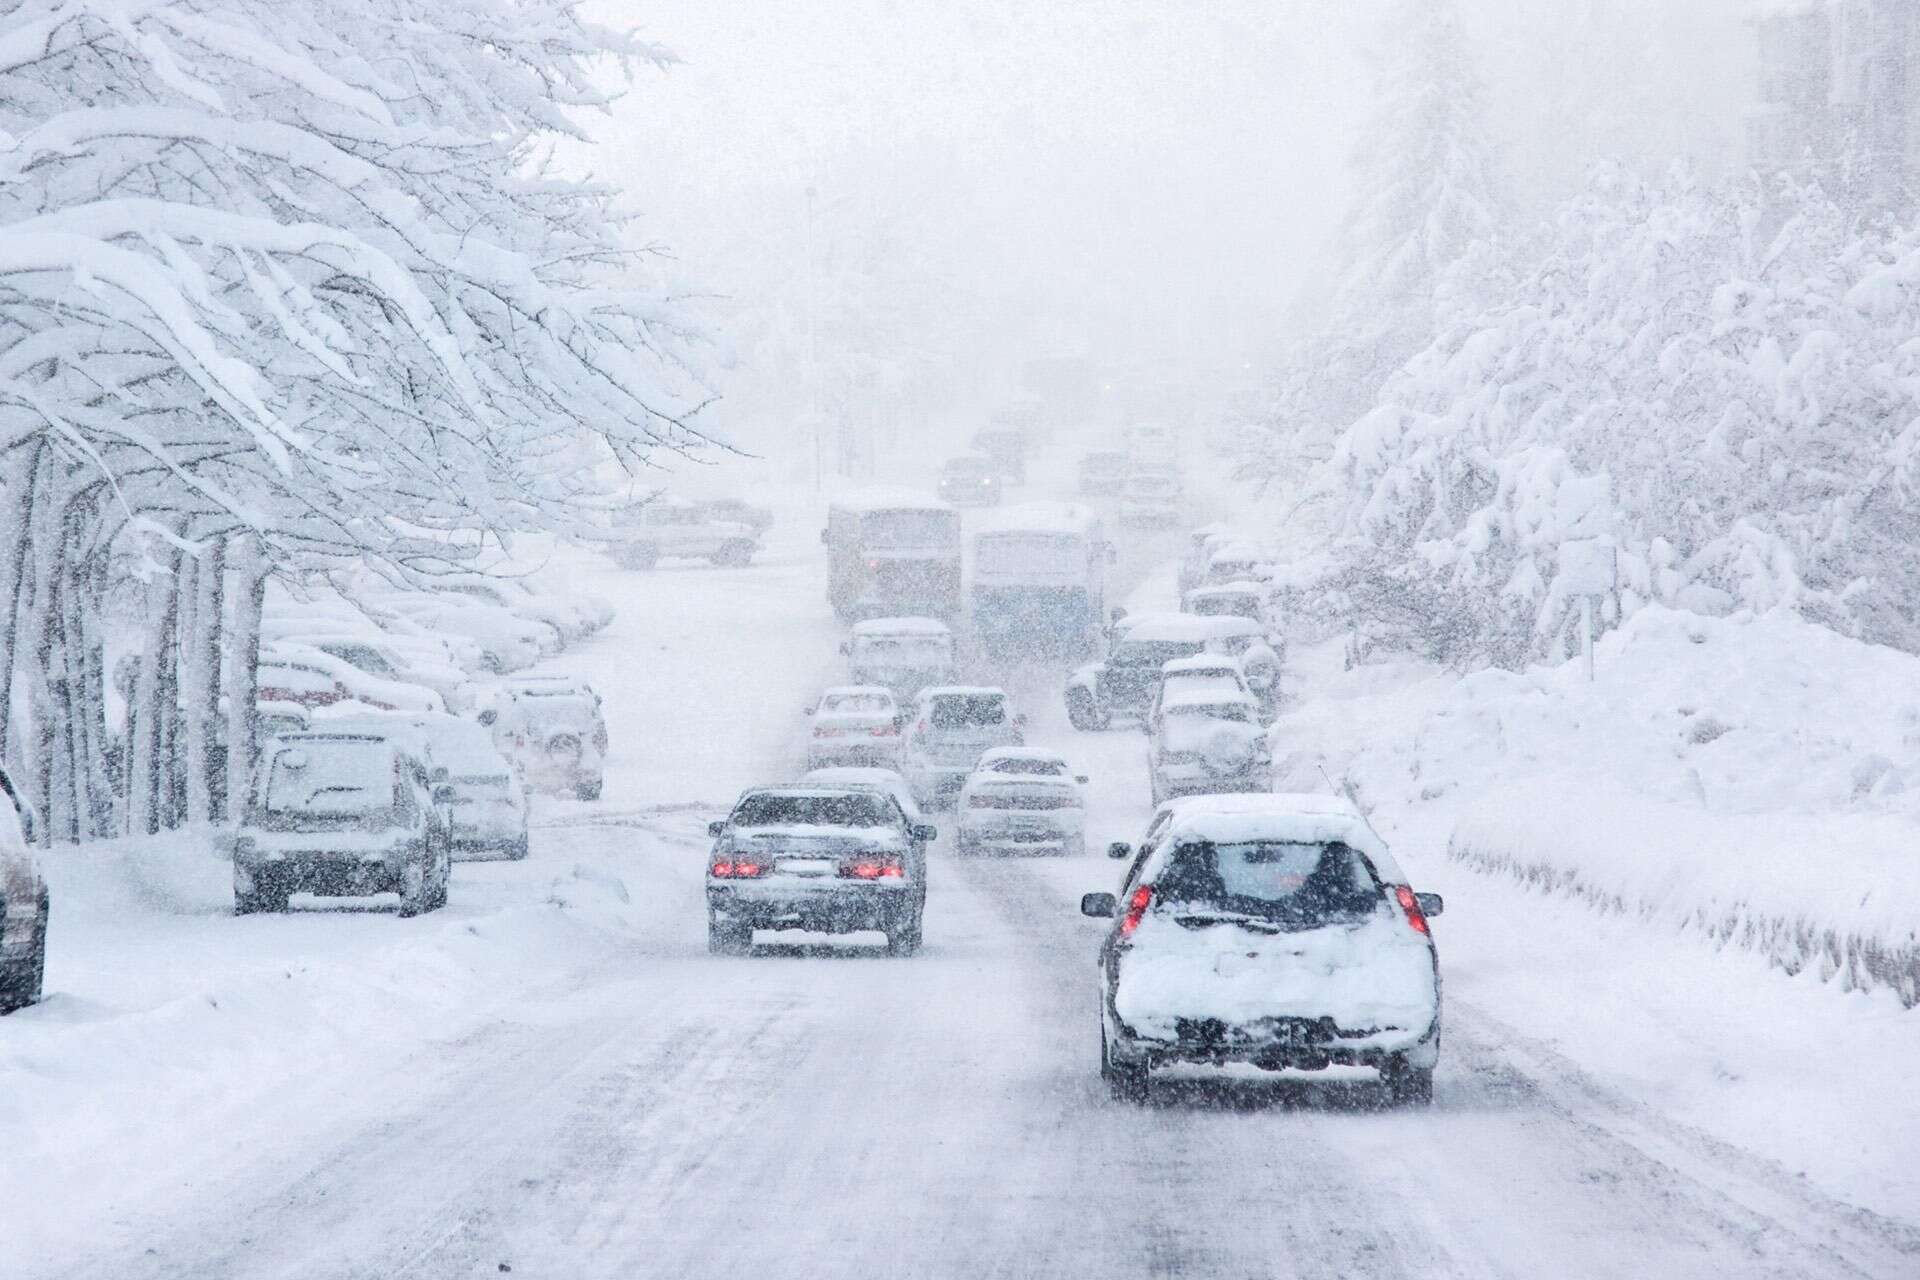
<point>1308,883</point>
<point>857,703</point>
<point>330,779</point>
<point>968,711</point>
<point>845,810</point>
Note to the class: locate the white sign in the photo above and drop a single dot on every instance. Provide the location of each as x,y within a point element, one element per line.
<point>1588,567</point>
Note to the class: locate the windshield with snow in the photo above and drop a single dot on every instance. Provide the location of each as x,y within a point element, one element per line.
<point>840,809</point>
<point>1302,883</point>
<point>910,530</point>
<point>329,779</point>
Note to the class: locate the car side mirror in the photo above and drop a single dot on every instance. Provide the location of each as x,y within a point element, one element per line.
<point>806,711</point>
<point>1080,778</point>
<point>925,832</point>
<point>1101,906</point>
<point>1431,904</point>
<point>443,794</point>
<point>489,718</point>
<point>1119,849</point>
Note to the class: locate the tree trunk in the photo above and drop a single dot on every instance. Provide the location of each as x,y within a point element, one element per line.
<point>88,593</point>
<point>21,484</point>
<point>149,795</point>
<point>243,665</point>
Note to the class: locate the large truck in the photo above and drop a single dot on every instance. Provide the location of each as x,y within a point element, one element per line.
<point>1040,579</point>
<point>892,553</point>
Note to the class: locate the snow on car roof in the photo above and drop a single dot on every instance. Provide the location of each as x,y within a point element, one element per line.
<point>856,691</point>
<point>882,498</point>
<point>1216,692</point>
<point>1171,628</point>
<point>1227,553</point>
<point>964,691</point>
<point>1303,818</point>
<point>1040,517</point>
<point>1226,589</point>
<point>1022,753</point>
<point>1199,663</point>
<point>902,627</point>
<point>848,775</point>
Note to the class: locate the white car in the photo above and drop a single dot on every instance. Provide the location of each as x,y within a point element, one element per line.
<point>488,809</point>
<point>857,724</point>
<point>1274,931</point>
<point>1024,799</point>
<point>352,681</point>
<point>672,528</point>
<point>505,641</point>
<point>1207,740</point>
<point>23,905</point>
<point>949,728</point>
<point>1150,498</point>
<point>553,732</point>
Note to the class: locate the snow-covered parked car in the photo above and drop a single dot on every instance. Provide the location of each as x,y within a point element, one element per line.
<point>948,729</point>
<point>23,905</point>
<point>273,718</point>
<point>902,654</point>
<point>1021,798</point>
<point>552,730</point>
<point>1200,544</point>
<point>826,859</point>
<point>664,528</point>
<point>738,511</point>
<point>342,815</point>
<point>487,807</point>
<point>574,617</point>
<point>503,640</point>
<point>1275,931</point>
<point>856,724</point>
<point>1207,737</point>
<point>1123,683</point>
<point>295,672</point>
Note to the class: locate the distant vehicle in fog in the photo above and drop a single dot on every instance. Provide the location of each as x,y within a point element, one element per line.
<point>1274,931</point>
<point>1018,798</point>
<point>854,725</point>
<point>1007,447</point>
<point>903,655</point>
<point>665,528</point>
<point>1200,545</point>
<point>1103,471</point>
<point>738,511</point>
<point>892,553</point>
<point>1150,499</point>
<point>826,859</point>
<point>1040,579</point>
<point>553,732</point>
<point>342,815</point>
<point>948,730</point>
<point>970,480</point>
<point>1123,683</point>
<point>24,905</point>
<point>1207,739</point>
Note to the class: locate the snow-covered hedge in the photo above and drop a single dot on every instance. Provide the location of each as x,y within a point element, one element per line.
<point>1721,381</point>
<point>1755,778</point>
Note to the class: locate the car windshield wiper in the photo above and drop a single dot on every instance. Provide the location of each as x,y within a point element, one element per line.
<point>1194,919</point>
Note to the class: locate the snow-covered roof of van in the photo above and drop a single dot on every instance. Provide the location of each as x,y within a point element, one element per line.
<point>1240,588</point>
<point>1302,818</point>
<point>1040,517</point>
<point>901,627</point>
<point>887,498</point>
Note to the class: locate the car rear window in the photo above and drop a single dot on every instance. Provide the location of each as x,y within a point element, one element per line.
<point>330,779</point>
<point>847,809</point>
<point>1154,653</point>
<point>1294,883</point>
<point>852,703</point>
<point>969,711</point>
<point>1033,768</point>
<point>1236,711</point>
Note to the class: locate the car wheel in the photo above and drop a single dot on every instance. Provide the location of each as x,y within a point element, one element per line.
<point>903,939</point>
<point>734,554</point>
<point>725,938</point>
<point>1126,1082</point>
<point>264,896</point>
<point>1407,1086</point>
<point>517,851</point>
<point>415,889</point>
<point>640,557</point>
<point>22,985</point>
<point>587,791</point>
<point>442,881</point>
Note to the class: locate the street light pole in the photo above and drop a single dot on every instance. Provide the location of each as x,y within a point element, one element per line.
<point>813,373</point>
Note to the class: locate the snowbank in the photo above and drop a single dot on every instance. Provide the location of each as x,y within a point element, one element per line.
<point>1753,778</point>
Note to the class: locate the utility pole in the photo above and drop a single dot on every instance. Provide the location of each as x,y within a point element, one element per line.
<point>813,372</point>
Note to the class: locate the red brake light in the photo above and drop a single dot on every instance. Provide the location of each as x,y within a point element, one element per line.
<point>1136,909</point>
<point>738,869</point>
<point>873,868</point>
<point>1411,905</point>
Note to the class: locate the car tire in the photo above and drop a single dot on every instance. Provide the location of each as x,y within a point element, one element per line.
<point>729,939</point>
<point>26,982</point>
<point>903,939</point>
<point>265,896</point>
<point>443,881</point>
<point>587,791</point>
<point>416,888</point>
<point>1407,1086</point>
<point>517,851</point>
<point>734,555</point>
<point>641,557</point>
<point>1083,711</point>
<point>1126,1082</point>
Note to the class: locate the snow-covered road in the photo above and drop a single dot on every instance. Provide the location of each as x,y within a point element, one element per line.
<point>627,1106</point>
